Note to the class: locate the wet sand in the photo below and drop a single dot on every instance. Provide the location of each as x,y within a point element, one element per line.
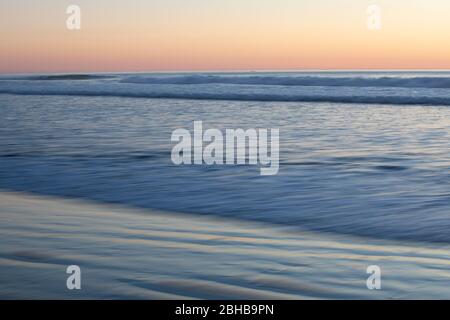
<point>130,253</point>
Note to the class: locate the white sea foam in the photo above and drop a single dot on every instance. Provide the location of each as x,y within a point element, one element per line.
<point>416,89</point>
<point>397,82</point>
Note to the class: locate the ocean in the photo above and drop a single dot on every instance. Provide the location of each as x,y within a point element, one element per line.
<point>361,153</point>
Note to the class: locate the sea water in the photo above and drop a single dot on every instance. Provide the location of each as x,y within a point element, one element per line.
<point>362,153</point>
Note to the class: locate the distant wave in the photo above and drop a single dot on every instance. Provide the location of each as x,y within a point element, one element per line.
<point>391,89</point>
<point>388,99</point>
<point>396,82</point>
<point>68,77</point>
<point>441,82</point>
<point>57,77</point>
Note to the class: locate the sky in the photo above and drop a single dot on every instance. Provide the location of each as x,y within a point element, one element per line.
<point>225,35</point>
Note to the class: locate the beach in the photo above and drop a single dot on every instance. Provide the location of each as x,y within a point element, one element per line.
<point>131,253</point>
<point>88,179</point>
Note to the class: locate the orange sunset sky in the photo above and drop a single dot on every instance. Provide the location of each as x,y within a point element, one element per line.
<point>207,35</point>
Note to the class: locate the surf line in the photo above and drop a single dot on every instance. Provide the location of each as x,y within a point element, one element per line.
<point>241,147</point>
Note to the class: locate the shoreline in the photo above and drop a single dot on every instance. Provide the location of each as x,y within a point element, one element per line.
<point>131,253</point>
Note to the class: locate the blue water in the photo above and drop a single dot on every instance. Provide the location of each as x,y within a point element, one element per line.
<point>360,153</point>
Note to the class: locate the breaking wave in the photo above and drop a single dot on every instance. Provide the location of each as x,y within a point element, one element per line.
<point>396,82</point>
<point>369,88</point>
<point>395,100</point>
